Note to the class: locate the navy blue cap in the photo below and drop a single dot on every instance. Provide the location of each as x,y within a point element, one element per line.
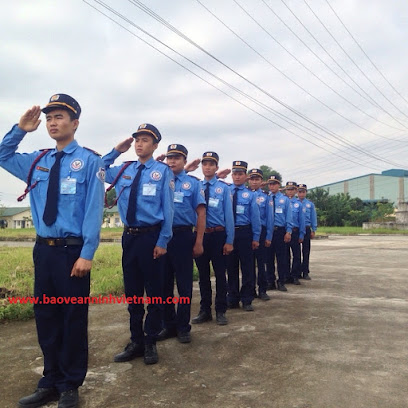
<point>239,166</point>
<point>302,186</point>
<point>255,172</point>
<point>273,177</point>
<point>176,149</point>
<point>210,156</point>
<point>63,101</point>
<point>291,184</point>
<point>148,129</point>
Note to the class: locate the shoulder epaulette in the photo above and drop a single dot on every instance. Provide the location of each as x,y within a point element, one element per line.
<point>223,181</point>
<point>93,151</point>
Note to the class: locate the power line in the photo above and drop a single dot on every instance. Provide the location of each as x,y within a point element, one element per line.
<point>362,50</point>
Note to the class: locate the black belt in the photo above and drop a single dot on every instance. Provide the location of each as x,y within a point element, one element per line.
<point>69,241</point>
<point>141,230</point>
<point>278,228</point>
<point>243,227</point>
<point>183,228</point>
<point>210,230</point>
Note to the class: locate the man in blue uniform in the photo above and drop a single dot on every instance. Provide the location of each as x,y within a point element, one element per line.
<point>66,194</point>
<point>189,211</point>
<point>298,233</point>
<point>265,211</point>
<point>282,228</point>
<point>311,227</point>
<point>247,235</point>
<point>218,241</point>
<point>145,203</point>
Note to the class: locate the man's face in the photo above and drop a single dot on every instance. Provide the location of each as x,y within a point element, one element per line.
<point>209,168</point>
<point>255,182</point>
<point>60,126</point>
<point>239,177</point>
<point>144,146</point>
<point>274,187</point>
<point>290,192</point>
<point>302,194</point>
<point>176,163</point>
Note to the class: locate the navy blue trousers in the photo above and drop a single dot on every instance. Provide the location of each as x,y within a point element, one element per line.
<point>279,248</point>
<point>241,256</point>
<point>259,262</point>
<point>62,328</point>
<point>306,252</point>
<point>143,273</point>
<point>293,263</point>
<point>270,264</point>
<point>179,265</point>
<point>213,252</point>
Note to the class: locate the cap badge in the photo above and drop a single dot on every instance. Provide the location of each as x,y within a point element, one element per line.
<point>173,146</point>
<point>54,98</point>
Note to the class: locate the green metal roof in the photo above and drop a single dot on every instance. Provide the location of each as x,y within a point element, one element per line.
<point>10,211</point>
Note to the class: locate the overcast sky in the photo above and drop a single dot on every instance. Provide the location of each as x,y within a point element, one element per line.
<point>349,125</point>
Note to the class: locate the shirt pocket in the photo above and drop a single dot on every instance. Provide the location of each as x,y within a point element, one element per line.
<point>40,179</point>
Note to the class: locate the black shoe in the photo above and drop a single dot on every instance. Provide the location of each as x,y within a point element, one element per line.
<point>39,397</point>
<point>296,281</point>
<point>289,280</point>
<point>306,276</point>
<point>184,337</point>
<point>202,317</point>
<point>150,354</point>
<point>132,350</point>
<point>255,295</point>
<point>69,399</point>
<point>166,334</point>
<point>221,319</point>
<point>271,286</point>
<point>282,287</point>
<point>248,308</point>
<point>232,305</point>
<point>264,296</point>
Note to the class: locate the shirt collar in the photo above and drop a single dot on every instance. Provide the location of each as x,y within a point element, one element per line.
<point>67,149</point>
<point>148,164</point>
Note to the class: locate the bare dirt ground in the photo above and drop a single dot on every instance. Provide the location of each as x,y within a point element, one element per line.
<point>337,341</point>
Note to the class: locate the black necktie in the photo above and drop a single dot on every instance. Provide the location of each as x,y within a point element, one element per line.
<point>234,203</point>
<point>207,193</point>
<point>131,212</point>
<point>51,206</point>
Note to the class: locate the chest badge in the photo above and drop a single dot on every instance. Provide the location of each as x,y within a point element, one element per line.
<point>76,164</point>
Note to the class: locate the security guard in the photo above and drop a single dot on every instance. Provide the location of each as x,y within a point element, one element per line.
<point>189,211</point>
<point>265,211</point>
<point>218,242</point>
<point>66,187</point>
<point>282,228</point>
<point>298,233</point>
<point>309,210</point>
<point>247,235</point>
<point>145,203</point>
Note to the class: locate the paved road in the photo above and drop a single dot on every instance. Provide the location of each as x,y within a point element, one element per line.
<point>338,341</point>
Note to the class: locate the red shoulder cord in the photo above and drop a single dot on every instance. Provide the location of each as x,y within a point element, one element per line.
<point>125,166</point>
<point>30,174</point>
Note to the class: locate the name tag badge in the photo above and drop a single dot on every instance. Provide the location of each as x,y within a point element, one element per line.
<point>149,189</point>
<point>178,196</point>
<point>278,210</point>
<point>213,202</point>
<point>240,209</point>
<point>68,186</point>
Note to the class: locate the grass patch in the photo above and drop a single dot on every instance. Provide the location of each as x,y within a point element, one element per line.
<point>358,230</point>
<point>17,277</point>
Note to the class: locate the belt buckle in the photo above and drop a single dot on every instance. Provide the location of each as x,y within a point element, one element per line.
<point>51,242</point>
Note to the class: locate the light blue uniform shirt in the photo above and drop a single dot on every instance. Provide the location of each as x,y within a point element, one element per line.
<point>247,210</point>
<point>188,195</point>
<point>298,217</point>
<point>219,210</point>
<point>309,210</point>
<point>155,194</point>
<point>265,212</point>
<point>80,203</point>
<point>282,211</point>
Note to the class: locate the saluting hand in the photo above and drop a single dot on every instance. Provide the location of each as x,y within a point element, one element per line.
<point>193,165</point>
<point>222,174</point>
<point>30,120</point>
<point>161,157</point>
<point>81,267</point>
<point>124,146</point>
